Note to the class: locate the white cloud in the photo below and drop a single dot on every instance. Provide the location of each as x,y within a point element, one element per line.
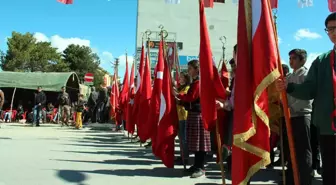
<point>122,65</point>
<point>105,61</point>
<point>279,40</point>
<point>306,34</point>
<point>59,42</point>
<point>310,59</point>
<point>40,37</point>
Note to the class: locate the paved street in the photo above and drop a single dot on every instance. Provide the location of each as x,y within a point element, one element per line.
<point>51,155</point>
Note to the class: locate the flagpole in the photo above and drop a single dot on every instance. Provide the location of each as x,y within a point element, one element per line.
<point>285,107</point>
<point>223,41</point>
<point>218,137</point>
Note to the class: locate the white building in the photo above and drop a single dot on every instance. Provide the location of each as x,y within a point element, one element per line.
<point>182,24</point>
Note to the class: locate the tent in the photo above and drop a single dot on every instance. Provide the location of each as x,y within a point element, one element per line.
<point>22,86</point>
<point>49,81</point>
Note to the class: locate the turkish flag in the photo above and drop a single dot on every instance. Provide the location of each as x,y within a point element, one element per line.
<point>222,114</point>
<point>332,5</point>
<point>211,87</point>
<point>208,3</point>
<point>164,146</point>
<point>114,97</point>
<point>65,1</point>
<point>144,102</point>
<point>274,4</point>
<point>123,98</point>
<point>257,69</point>
<point>131,93</point>
<point>138,87</point>
<point>154,111</point>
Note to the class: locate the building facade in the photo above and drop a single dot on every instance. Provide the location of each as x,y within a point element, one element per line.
<point>181,21</point>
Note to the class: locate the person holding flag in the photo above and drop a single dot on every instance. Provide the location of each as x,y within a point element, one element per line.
<point>198,138</point>
<point>184,82</point>
<point>320,85</point>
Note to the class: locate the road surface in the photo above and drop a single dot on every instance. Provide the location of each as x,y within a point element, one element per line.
<point>51,155</point>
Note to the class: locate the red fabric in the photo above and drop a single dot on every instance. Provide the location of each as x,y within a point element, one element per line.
<point>168,121</point>
<point>221,114</point>
<point>212,87</point>
<point>252,69</point>
<point>208,3</point>
<point>154,111</point>
<point>144,105</point>
<point>274,4</point>
<point>114,99</point>
<point>65,1</point>
<point>123,98</point>
<point>332,5</point>
<point>138,87</point>
<point>193,93</point>
<point>130,126</point>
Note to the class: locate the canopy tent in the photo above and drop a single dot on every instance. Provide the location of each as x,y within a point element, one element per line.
<point>49,81</point>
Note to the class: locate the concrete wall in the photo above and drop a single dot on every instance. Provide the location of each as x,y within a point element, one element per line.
<point>182,23</point>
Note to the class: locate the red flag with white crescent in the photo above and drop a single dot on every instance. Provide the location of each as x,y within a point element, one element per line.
<point>164,146</point>
<point>254,74</point>
<point>154,111</point>
<point>131,93</point>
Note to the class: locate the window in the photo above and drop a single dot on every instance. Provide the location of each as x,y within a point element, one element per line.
<point>219,1</point>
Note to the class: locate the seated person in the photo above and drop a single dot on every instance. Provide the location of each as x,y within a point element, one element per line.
<point>20,112</point>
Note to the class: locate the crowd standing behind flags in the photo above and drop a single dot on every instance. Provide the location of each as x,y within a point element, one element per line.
<point>244,116</point>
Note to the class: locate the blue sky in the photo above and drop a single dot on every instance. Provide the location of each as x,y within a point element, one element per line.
<point>109,26</point>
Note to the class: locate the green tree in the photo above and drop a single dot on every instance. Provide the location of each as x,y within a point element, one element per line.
<point>82,60</point>
<point>26,54</point>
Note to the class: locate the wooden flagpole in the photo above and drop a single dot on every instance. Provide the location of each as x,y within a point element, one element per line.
<point>285,107</point>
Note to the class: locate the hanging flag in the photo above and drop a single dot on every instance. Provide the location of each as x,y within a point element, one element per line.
<point>123,98</point>
<point>211,87</point>
<point>144,102</point>
<point>274,4</point>
<point>332,5</point>
<point>65,1</point>
<point>114,97</point>
<point>221,113</point>
<point>305,3</point>
<point>138,87</point>
<point>254,74</point>
<point>168,120</point>
<point>157,98</point>
<point>131,93</point>
<point>173,1</point>
<point>208,3</point>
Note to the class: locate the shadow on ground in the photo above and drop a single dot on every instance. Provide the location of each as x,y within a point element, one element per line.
<point>116,162</point>
<point>117,144</point>
<point>72,176</point>
<point>155,172</point>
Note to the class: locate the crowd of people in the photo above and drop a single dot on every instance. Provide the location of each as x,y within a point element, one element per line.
<point>63,111</point>
<point>311,99</point>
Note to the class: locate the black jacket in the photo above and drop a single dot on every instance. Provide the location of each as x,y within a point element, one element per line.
<point>40,98</point>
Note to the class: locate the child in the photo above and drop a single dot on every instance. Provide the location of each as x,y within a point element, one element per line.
<point>79,111</point>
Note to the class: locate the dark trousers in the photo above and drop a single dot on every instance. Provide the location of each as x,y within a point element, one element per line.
<point>199,159</point>
<point>301,137</point>
<point>328,151</point>
<point>93,113</point>
<point>315,144</point>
